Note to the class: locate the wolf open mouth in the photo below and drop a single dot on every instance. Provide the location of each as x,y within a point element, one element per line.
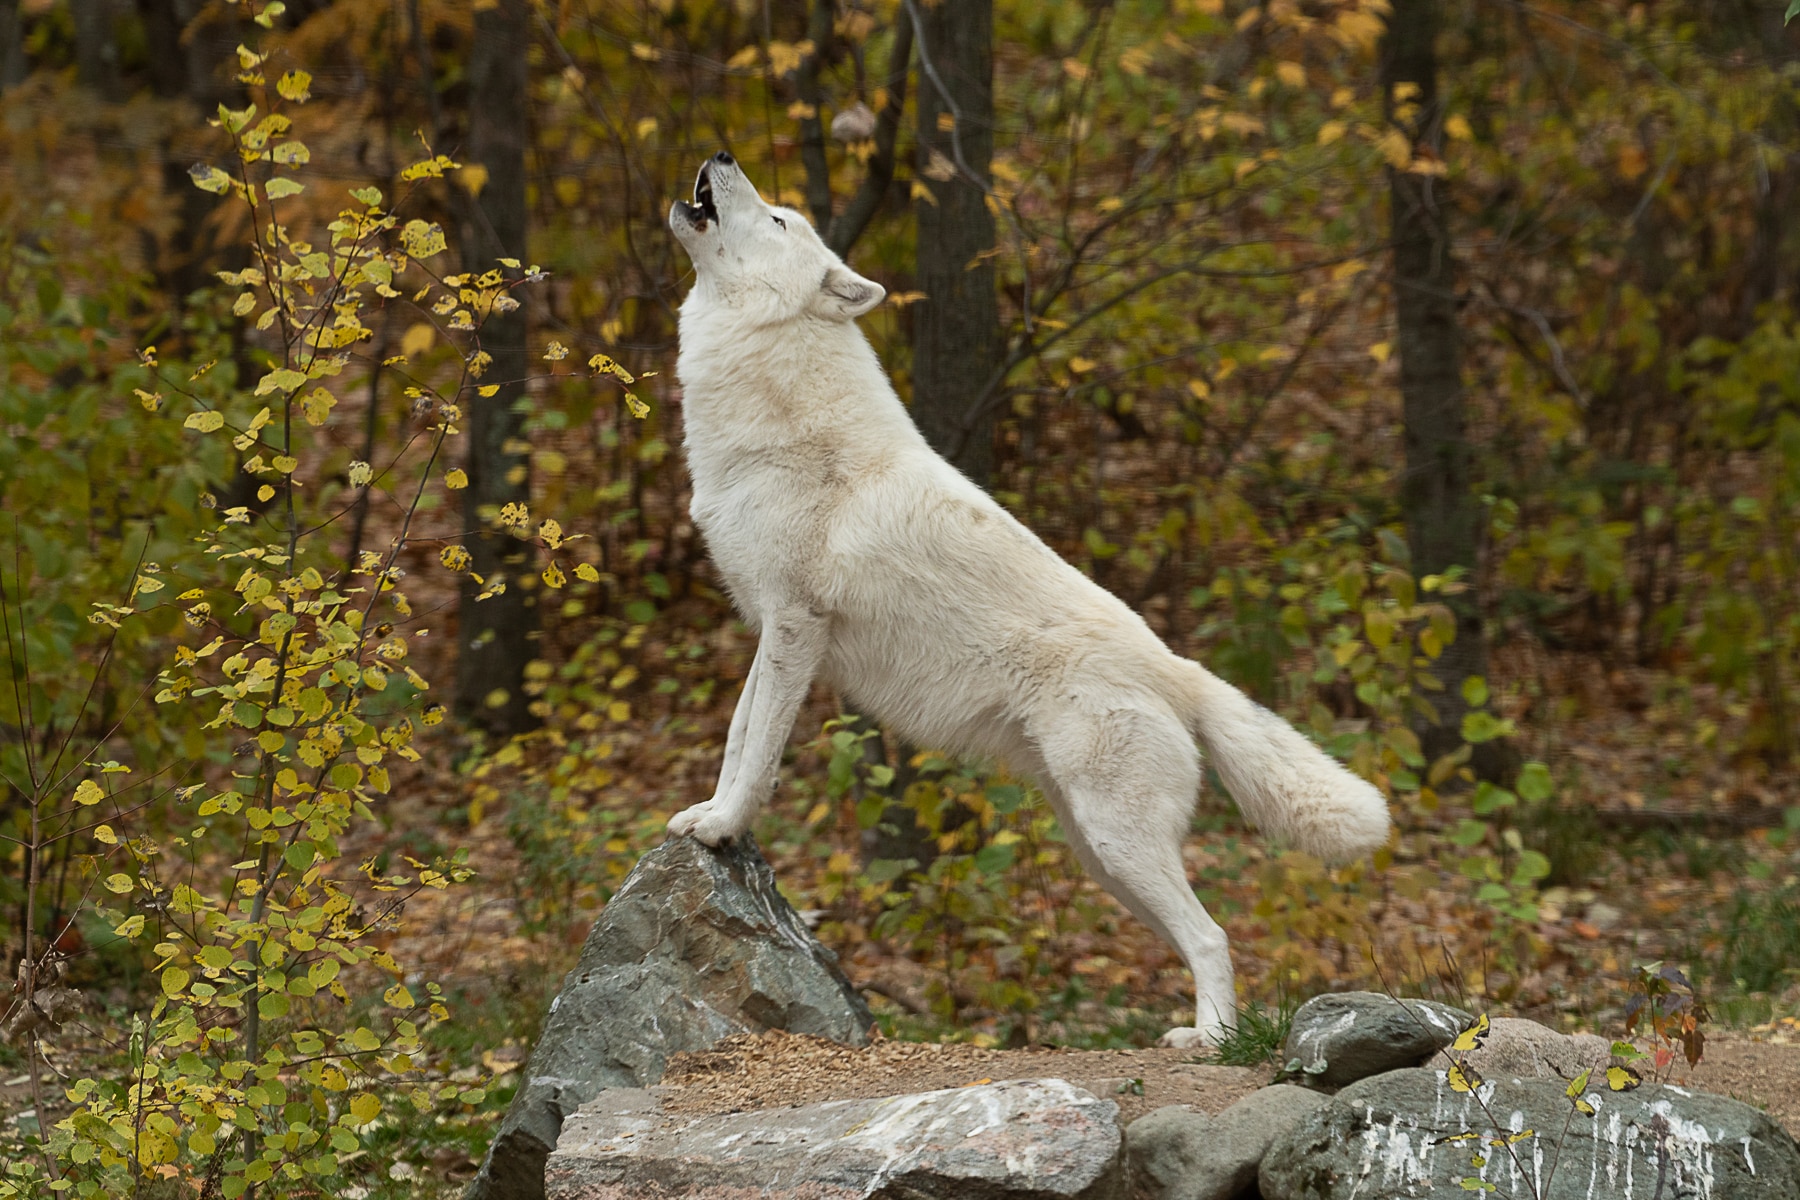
<point>702,210</point>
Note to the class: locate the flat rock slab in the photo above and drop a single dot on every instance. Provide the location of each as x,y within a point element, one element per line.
<point>1040,1139</point>
<point>695,946</point>
<point>1340,1038</point>
<point>1391,1136</point>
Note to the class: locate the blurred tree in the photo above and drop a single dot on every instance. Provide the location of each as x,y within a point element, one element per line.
<point>498,636</point>
<point>956,329</point>
<point>12,46</point>
<point>1436,494</point>
<point>96,48</point>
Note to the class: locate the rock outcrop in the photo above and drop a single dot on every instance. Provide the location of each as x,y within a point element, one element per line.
<point>1040,1139</point>
<point>1179,1154</point>
<point>1409,1134</point>
<point>697,944</point>
<point>1340,1038</point>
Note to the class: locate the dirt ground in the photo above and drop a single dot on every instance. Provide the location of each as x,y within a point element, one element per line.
<point>775,1070</point>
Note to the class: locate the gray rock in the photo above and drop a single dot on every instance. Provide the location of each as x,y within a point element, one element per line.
<point>1388,1137</point>
<point>1178,1154</point>
<point>696,945</point>
<point>1519,1049</point>
<point>1337,1039</point>
<point>1038,1139</point>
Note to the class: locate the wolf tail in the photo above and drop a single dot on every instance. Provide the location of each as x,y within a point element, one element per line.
<point>1286,785</point>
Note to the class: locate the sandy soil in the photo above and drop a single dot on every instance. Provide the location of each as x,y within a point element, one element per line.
<point>775,1070</point>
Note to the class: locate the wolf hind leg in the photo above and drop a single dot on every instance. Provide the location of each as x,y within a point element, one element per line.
<point>1125,786</point>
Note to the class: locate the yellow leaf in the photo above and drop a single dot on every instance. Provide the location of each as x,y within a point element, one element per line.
<point>587,573</point>
<point>398,997</point>
<point>104,833</point>
<point>130,927</point>
<point>636,407</point>
<point>1470,1038</point>
<point>89,793</point>
<point>456,479</point>
<point>1577,1085</point>
<point>1457,126</point>
<point>360,473</point>
<point>1381,351</point>
<point>1463,1079</point>
<point>1291,73</point>
<point>281,187</point>
<point>209,178</point>
<point>364,1107</point>
<point>1081,365</point>
<point>556,351</point>
<point>295,86</point>
<point>285,463</point>
<point>316,406</point>
<point>243,304</point>
<point>205,422</point>
<point>1330,132</point>
<point>554,577</point>
<point>1622,1079</point>
<point>1396,147</point>
<point>417,339</point>
<point>473,178</point>
<point>265,493</point>
<point>921,192</point>
<point>118,883</point>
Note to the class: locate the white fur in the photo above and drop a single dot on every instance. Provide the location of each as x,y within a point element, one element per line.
<point>867,560</point>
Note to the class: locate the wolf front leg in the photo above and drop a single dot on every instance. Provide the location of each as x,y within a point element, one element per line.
<point>787,660</point>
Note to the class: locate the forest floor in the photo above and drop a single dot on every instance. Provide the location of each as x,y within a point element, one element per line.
<point>1102,988</point>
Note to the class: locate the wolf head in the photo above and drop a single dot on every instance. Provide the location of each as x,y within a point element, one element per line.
<point>765,264</point>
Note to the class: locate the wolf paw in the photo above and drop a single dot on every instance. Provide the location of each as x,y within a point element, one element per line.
<point>711,821</point>
<point>1190,1037</point>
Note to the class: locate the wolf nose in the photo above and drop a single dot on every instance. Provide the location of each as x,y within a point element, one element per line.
<point>723,159</point>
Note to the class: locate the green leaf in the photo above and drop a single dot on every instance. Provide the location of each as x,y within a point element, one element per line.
<point>1475,691</point>
<point>1489,798</point>
<point>1478,727</point>
<point>1006,797</point>
<point>1468,832</point>
<point>272,1005</point>
<point>370,196</point>
<point>1792,12</point>
<point>993,859</point>
<point>1534,783</point>
<point>174,981</point>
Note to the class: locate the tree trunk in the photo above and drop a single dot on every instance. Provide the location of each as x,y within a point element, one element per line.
<point>1442,517</point>
<point>96,50</point>
<point>498,636</point>
<point>956,328</point>
<point>12,46</point>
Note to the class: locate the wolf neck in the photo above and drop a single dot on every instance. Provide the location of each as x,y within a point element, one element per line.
<point>746,388</point>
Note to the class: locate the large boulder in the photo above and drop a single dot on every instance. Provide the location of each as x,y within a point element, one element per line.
<point>696,945</point>
<point>1037,1139</point>
<point>1409,1134</point>
<point>1339,1038</point>
<point>1521,1049</point>
<point>1179,1154</point>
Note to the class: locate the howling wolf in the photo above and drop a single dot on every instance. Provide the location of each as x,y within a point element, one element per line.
<point>865,559</point>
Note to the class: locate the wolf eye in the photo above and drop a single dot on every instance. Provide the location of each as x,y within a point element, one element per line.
<point>778,220</point>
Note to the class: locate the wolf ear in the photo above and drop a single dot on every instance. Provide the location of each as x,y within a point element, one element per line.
<point>844,295</point>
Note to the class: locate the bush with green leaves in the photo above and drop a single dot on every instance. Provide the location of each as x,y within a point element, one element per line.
<point>284,690</point>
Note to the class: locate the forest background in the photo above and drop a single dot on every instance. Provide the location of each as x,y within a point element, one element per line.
<point>1429,368</point>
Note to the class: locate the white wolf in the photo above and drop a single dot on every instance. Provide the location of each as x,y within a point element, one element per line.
<point>865,559</point>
